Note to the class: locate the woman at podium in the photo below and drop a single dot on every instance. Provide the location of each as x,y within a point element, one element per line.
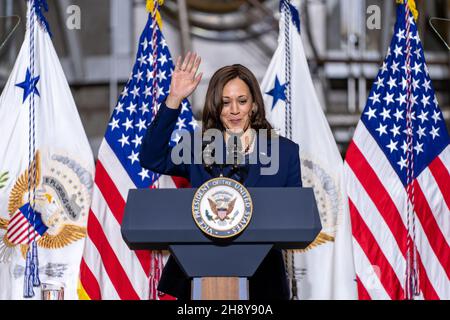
<point>233,104</point>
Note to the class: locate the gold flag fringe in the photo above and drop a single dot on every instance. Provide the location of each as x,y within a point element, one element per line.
<point>412,7</point>
<point>151,7</point>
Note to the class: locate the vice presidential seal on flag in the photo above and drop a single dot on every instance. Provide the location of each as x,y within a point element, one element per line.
<point>46,169</point>
<point>325,270</point>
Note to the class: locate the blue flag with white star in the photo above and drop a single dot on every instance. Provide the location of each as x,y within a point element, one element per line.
<point>293,108</point>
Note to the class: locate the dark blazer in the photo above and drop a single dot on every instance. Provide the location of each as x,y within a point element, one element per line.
<point>269,282</point>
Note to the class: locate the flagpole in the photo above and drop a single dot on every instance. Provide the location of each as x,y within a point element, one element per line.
<point>411,261</point>
<point>156,255</point>
<point>31,278</point>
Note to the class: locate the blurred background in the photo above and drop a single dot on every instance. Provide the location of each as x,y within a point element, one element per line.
<point>343,54</point>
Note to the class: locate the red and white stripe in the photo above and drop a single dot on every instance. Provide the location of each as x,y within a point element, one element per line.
<point>378,209</point>
<point>109,269</point>
<point>20,231</point>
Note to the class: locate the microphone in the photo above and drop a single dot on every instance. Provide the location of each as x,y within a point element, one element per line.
<point>239,167</point>
<point>208,156</point>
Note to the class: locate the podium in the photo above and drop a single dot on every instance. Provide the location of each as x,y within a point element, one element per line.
<point>161,219</point>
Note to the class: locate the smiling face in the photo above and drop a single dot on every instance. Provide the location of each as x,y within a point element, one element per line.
<point>237,106</point>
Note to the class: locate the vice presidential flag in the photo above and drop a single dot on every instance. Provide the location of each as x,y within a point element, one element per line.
<point>325,270</point>
<point>109,269</point>
<point>397,178</point>
<point>46,170</point>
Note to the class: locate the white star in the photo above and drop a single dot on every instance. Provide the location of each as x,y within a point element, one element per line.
<point>385,114</point>
<point>138,76</point>
<point>124,92</point>
<point>395,130</point>
<point>149,75</point>
<point>392,146</point>
<point>180,123</point>
<point>144,174</point>
<point>389,98</point>
<point>147,91</point>
<point>159,92</point>
<point>416,68</point>
<point>417,53</point>
<point>389,52</point>
<point>384,67</point>
<point>379,82</point>
<point>416,37</point>
<point>413,100</point>
<point>401,99</point>
<point>391,83</point>
<point>135,92</point>
<point>398,51</point>
<point>406,68</point>
<point>425,100</point>
<point>114,124</point>
<point>400,35</point>
<point>402,163</point>
<point>404,83</point>
<point>134,157</point>
<point>415,84</point>
<point>371,113</point>
<point>128,124</point>
<point>142,60</point>
<point>141,125</point>
<point>163,43</point>
<point>194,124</point>
<point>161,75</point>
<point>436,116</point>
<point>434,132</point>
<point>119,107</point>
<point>184,107</point>
<point>375,98</point>
<point>145,44</point>
<point>398,115</point>
<point>137,141</point>
<point>381,129</point>
<point>423,116</point>
<point>150,59</point>
<point>394,67</point>
<point>124,140</point>
<point>408,131</point>
<point>418,147</point>
<point>426,70</point>
<point>162,59</point>
<point>144,108</point>
<point>132,108</point>
<point>404,147</point>
<point>426,85</point>
<point>176,138</point>
<point>421,132</point>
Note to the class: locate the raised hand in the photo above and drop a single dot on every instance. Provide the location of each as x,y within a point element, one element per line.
<point>184,80</point>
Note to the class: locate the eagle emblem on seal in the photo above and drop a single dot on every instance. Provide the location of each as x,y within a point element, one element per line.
<point>221,208</point>
<point>48,209</point>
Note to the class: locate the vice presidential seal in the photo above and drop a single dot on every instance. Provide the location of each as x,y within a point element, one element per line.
<point>222,207</point>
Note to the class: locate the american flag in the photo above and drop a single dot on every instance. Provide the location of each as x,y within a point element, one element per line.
<point>400,151</point>
<point>25,226</point>
<point>109,269</point>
